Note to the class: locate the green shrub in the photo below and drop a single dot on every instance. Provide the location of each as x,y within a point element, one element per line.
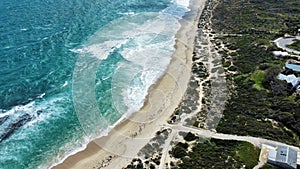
<point>232,68</point>
<point>227,64</point>
<point>190,137</point>
<point>178,152</point>
<point>258,77</point>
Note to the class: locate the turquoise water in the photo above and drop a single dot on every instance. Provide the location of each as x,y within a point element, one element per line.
<point>71,69</point>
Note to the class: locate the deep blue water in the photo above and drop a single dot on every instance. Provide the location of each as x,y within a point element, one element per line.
<point>65,64</point>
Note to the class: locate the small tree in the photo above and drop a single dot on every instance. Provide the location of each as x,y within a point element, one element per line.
<point>271,76</point>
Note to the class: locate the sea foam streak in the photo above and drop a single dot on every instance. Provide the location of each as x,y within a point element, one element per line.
<point>142,39</point>
<point>26,108</point>
<point>101,51</point>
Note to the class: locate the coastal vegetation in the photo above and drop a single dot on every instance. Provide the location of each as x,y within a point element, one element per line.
<point>295,45</point>
<point>214,153</point>
<point>258,77</point>
<point>260,104</point>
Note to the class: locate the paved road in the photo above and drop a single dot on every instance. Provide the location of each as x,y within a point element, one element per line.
<point>256,141</point>
<point>284,42</point>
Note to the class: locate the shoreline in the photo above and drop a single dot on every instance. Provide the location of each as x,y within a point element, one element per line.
<point>111,151</point>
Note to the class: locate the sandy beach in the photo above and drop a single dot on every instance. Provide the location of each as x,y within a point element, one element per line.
<point>123,143</point>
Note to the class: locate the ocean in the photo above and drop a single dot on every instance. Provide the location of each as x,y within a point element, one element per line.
<point>72,69</point>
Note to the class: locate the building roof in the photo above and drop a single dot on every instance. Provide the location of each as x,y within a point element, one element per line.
<point>286,155</point>
<point>280,53</point>
<point>272,154</point>
<point>294,67</point>
<point>292,158</point>
<point>289,78</point>
<point>298,158</point>
<point>283,156</point>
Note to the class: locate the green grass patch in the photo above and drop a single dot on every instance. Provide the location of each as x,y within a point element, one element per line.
<point>258,77</point>
<point>295,45</point>
<point>247,153</point>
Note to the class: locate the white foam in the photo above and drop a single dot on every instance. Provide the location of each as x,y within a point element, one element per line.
<point>148,47</point>
<point>41,96</point>
<point>76,50</point>
<point>42,28</point>
<point>7,47</point>
<point>82,144</point>
<point>26,108</point>
<point>10,112</point>
<point>105,41</point>
<point>184,3</point>
<point>49,109</point>
<point>102,50</point>
<point>126,13</point>
<point>40,118</point>
<point>65,84</point>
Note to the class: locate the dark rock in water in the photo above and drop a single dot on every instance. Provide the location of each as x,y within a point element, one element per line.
<point>14,126</point>
<point>24,102</point>
<point>39,112</point>
<point>3,119</point>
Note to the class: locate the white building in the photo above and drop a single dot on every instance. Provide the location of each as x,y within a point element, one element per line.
<point>283,157</point>
<point>280,53</point>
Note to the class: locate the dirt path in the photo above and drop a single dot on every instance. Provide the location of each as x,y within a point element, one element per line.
<point>167,147</point>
